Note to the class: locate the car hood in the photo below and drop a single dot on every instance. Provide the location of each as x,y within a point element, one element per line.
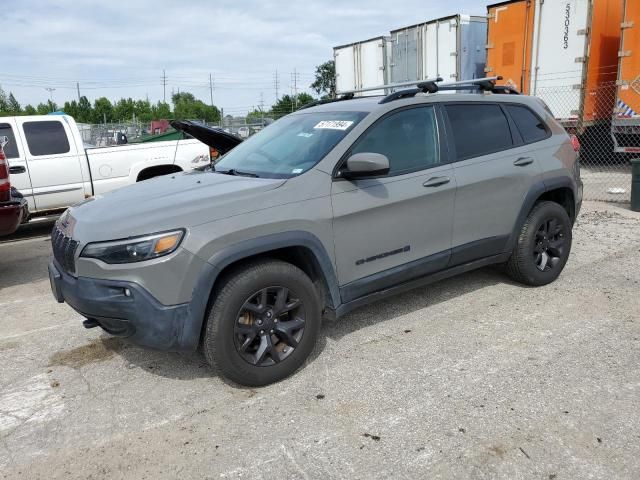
<point>213,137</point>
<point>179,200</point>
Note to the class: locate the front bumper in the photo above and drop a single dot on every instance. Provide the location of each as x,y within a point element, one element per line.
<point>125,309</point>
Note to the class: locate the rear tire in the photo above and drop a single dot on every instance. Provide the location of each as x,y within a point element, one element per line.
<point>263,324</point>
<point>543,246</point>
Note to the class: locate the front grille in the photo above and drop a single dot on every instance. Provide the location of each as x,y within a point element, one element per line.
<point>64,250</point>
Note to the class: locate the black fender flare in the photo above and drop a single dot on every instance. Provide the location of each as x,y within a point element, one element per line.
<point>532,196</point>
<point>192,328</point>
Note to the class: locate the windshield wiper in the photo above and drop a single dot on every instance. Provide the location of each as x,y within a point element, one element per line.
<point>239,173</point>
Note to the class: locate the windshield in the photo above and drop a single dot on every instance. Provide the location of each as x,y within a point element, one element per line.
<point>290,146</point>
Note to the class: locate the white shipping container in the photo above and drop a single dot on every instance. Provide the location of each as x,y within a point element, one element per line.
<point>361,65</point>
<point>452,48</point>
<point>575,56</point>
<point>559,53</point>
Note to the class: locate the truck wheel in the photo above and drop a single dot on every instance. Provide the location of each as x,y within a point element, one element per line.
<point>263,324</point>
<point>543,246</point>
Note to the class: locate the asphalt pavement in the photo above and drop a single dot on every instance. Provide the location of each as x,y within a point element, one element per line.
<point>473,377</point>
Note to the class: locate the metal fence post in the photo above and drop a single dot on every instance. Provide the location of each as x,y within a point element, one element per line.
<point>635,185</point>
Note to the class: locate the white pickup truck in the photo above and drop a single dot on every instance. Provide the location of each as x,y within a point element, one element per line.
<point>50,166</point>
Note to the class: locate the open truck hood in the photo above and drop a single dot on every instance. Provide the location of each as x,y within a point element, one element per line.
<point>213,137</point>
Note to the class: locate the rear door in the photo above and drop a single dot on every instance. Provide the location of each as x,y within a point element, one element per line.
<point>15,154</point>
<point>396,227</point>
<point>494,170</point>
<point>54,162</point>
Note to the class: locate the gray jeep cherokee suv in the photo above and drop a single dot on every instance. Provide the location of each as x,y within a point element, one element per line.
<point>329,208</point>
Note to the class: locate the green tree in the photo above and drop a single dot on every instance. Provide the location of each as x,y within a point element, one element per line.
<point>102,111</point>
<point>124,109</point>
<point>14,106</point>
<point>71,109</point>
<point>85,111</point>
<point>142,109</point>
<point>256,116</point>
<point>288,104</point>
<point>186,106</point>
<point>4,104</point>
<point>325,82</point>
<point>30,110</point>
<point>44,108</point>
<point>161,111</point>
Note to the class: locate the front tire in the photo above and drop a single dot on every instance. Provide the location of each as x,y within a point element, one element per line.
<point>543,246</point>
<point>263,324</point>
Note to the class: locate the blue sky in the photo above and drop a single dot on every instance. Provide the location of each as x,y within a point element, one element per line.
<point>116,48</point>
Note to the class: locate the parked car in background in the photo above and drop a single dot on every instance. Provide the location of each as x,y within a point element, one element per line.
<point>52,169</point>
<point>13,206</point>
<point>329,208</point>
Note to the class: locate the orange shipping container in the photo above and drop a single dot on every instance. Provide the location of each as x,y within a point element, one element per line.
<point>509,36</point>
<point>626,121</point>
<point>562,51</point>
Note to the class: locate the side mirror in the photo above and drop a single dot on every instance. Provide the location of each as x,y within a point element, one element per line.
<point>366,164</point>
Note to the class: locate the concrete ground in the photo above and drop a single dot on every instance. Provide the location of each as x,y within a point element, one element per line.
<point>474,377</point>
<point>607,183</point>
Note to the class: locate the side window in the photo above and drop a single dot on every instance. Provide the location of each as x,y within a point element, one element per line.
<point>478,129</point>
<point>529,125</point>
<point>408,138</point>
<point>46,138</point>
<point>11,148</point>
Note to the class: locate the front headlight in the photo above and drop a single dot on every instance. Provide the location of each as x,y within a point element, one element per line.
<point>134,249</point>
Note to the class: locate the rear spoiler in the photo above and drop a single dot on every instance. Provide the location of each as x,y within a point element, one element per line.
<point>213,137</point>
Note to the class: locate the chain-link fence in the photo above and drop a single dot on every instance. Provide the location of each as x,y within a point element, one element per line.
<point>107,134</point>
<point>590,115</point>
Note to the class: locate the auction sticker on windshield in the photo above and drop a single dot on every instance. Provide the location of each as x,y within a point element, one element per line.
<point>334,124</point>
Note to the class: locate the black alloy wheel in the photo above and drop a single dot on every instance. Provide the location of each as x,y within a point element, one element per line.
<point>269,326</point>
<point>549,246</point>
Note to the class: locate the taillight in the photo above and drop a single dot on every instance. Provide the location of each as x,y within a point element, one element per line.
<point>5,184</point>
<point>575,143</point>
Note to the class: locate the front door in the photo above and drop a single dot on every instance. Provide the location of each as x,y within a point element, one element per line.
<point>397,227</point>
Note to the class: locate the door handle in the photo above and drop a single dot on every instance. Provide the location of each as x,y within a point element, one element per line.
<point>18,169</point>
<point>523,161</point>
<point>436,181</point>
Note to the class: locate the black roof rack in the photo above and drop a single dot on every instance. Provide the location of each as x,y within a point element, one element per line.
<point>346,96</point>
<point>487,84</point>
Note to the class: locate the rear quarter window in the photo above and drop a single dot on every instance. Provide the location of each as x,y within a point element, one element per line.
<point>46,138</point>
<point>478,129</point>
<point>528,123</point>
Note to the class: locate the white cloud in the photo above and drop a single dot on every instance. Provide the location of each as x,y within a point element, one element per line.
<point>117,49</point>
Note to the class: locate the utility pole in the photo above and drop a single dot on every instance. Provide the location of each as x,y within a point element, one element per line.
<point>50,90</point>
<point>294,78</point>
<point>276,84</point>
<point>164,86</point>
<point>78,88</point>
<point>211,88</point>
<point>262,109</point>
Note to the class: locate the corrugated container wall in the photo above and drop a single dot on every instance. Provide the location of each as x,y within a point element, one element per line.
<point>362,65</point>
<point>509,37</point>
<point>564,51</point>
<point>626,122</point>
<point>451,48</point>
